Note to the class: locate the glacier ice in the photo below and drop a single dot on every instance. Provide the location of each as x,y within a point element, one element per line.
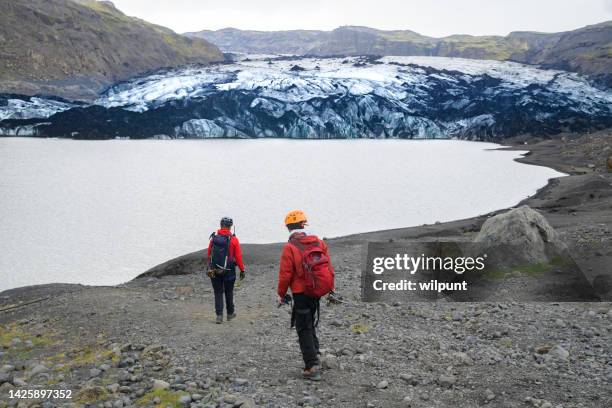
<point>408,97</point>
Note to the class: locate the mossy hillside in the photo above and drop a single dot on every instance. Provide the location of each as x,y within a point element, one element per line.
<point>19,342</point>
<point>86,42</point>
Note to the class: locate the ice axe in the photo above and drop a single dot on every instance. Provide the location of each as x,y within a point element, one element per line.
<point>287,300</point>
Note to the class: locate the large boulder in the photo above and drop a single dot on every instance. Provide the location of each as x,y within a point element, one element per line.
<point>523,232</point>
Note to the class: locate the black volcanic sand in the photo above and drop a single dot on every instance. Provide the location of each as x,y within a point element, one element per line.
<point>108,344</point>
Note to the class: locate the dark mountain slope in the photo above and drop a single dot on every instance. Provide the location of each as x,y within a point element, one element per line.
<point>74,48</point>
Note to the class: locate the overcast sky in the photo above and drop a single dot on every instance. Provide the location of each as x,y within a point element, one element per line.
<point>429,17</point>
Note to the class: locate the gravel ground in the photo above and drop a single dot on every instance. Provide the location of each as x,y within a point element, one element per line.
<point>153,341</point>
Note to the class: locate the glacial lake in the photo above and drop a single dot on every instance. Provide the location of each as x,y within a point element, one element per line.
<point>102,212</point>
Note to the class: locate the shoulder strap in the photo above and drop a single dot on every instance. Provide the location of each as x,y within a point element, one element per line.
<point>212,235</point>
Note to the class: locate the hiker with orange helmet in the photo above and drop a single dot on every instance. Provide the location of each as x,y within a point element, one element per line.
<point>306,269</point>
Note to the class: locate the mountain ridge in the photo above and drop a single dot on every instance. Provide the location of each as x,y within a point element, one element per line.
<point>586,50</point>
<point>75,48</point>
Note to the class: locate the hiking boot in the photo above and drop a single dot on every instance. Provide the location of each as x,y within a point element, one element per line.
<point>312,374</point>
<point>219,319</point>
<point>231,316</point>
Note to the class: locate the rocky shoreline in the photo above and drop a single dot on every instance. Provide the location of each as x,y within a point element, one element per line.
<point>153,341</point>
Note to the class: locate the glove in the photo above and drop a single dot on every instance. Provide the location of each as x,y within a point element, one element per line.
<point>242,274</point>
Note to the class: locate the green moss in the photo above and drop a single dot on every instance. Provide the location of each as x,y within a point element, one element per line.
<point>90,395</point>
<point>359,328</point>
<point>166,398</point>
<point>531,269</point>
<point>91,355</point>
<point>12,330</point>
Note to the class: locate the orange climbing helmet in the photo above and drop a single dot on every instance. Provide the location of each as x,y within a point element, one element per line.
<point>295,216</point>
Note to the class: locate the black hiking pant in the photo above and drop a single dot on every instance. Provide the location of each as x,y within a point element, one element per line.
<point>223,287</point>
<point>304,314</point>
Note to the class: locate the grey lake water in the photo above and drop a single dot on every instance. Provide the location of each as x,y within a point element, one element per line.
<point>102,212</point>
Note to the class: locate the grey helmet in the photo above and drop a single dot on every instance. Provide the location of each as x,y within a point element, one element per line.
<point>227,222</point>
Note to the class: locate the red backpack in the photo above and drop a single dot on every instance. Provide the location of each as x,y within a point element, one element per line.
<point>318,271</point>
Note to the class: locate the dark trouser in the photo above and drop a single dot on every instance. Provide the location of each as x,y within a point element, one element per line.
<point>221,286</point>
<point>304,312</point>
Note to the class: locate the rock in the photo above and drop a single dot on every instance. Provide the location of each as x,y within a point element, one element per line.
<point>245,402</point>
<point>447,380</point>
<point>38,369</point>
<point>160,385</point>
<point>19,382</point>
<point>409,378</point>
<point>185,400</point>
<point>7,368</point>
<point>196,397</point>
<point>113,387</point>
<point>104,367</point>
<point>407,401</point>
<point>5,388</point>
<point>94,372</point>
<point>330,362</point>
<point>241,381</point>
<point>230,398</point>
<point>311,400</point>
<point>382,385</point>
<point>560,323</point>
<point>524,234</point>
<point>5,378</point>
<point>489,395</point>
<point>462,359</point>
<point>557,352</point>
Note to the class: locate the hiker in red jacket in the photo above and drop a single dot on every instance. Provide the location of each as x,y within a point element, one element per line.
<point>224,253</point>
<point>306,269</point>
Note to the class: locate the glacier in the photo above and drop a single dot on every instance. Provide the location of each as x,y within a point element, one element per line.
<point>344,97</point>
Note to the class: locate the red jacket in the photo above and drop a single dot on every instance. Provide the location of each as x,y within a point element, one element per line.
<point>291,272</point>
<point>235,252</point>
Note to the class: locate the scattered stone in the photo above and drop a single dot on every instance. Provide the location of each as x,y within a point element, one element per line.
<point>94,372</point>
<point>185,400</point>
<point>7,368</point>
<point>38,369</point>
<point>5,378</point>
<point>19,382</point>
<point>330,362</point>
<point>447,380</point>
<point>311,400</point>
<point>382,385</point>
<point>462,359</point>
<point>489,395</point>
<point>160,385</point>
<point>241,381</point>
<point>113,388</point>
<point>557,352</point>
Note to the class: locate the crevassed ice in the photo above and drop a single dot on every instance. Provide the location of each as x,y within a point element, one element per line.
<point>389,77</point>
